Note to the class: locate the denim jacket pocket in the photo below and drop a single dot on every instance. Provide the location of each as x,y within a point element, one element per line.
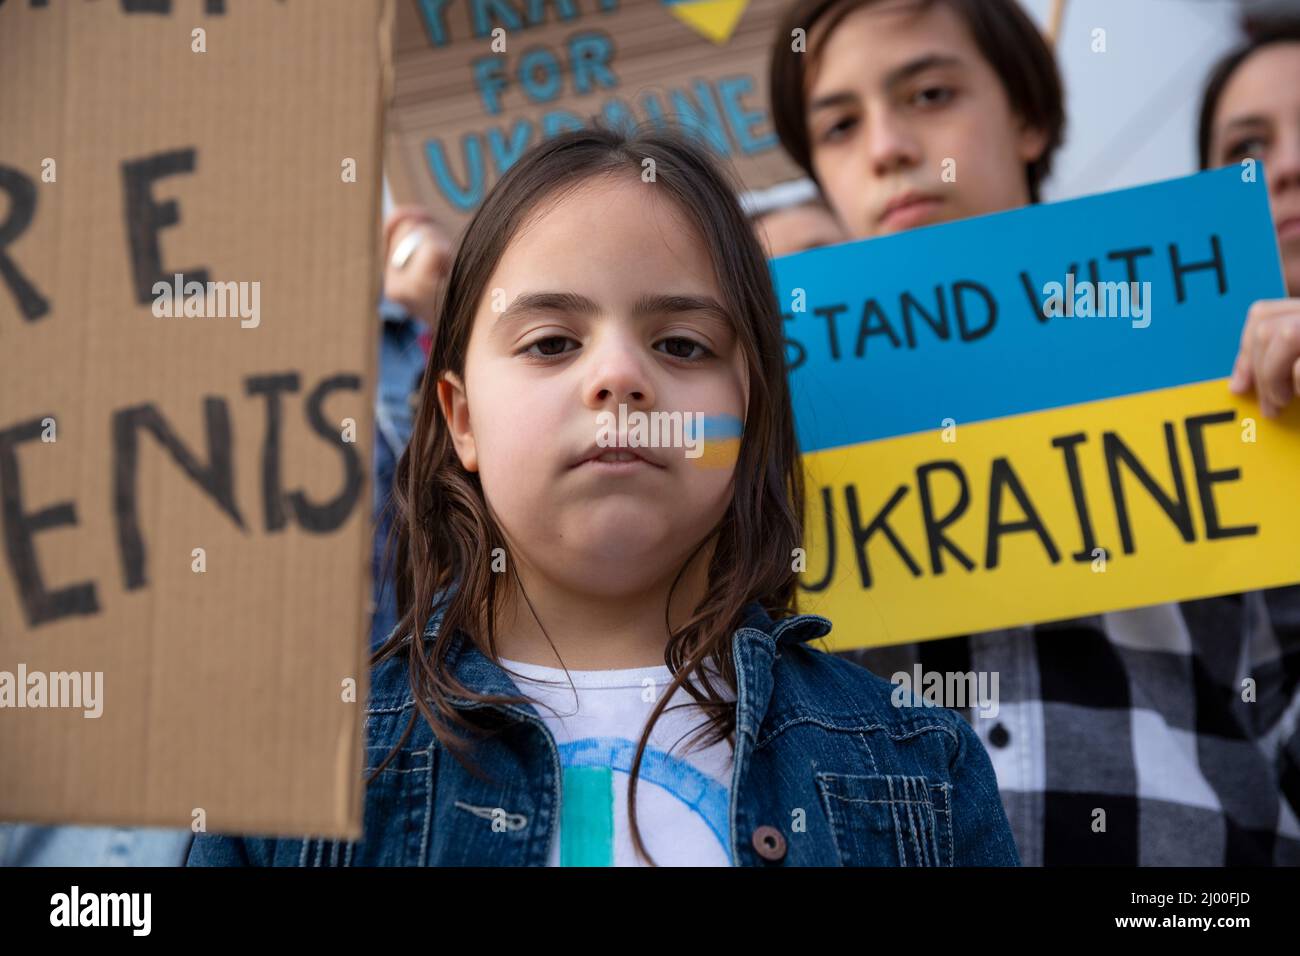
<point>888,819</point>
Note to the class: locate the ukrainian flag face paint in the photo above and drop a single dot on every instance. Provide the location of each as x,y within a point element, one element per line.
<point>709,441</point>
<point>719,445</point>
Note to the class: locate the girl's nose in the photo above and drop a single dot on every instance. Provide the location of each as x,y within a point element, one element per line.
<point>618,373</point>
<point>1284,160</point>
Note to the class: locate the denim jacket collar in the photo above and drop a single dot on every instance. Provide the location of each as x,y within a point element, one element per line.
<point>755,646</point>
<point>790,630</point>
<point>758,631</point>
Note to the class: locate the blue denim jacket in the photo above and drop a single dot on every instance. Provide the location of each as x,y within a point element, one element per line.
<point>827,772</point>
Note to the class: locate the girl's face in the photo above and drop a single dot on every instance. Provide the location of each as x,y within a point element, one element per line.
<point>1258,116</point>
<point>604,297</point>
<point>909,125</point>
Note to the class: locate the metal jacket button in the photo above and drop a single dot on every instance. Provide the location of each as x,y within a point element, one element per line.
<point>769,843</point>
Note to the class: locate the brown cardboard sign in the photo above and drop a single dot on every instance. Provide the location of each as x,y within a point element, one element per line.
<point>479,81</point>
<point>189,202</point>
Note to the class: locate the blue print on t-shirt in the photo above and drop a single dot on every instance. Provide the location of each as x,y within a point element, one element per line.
<point>704,795</point>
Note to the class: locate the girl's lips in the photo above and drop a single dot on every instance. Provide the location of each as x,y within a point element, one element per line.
<point>1288,229</point>
<point>618,467</point>
<point>627,466</point>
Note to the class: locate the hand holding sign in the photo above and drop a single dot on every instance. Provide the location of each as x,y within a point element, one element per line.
<point>1269,360</point>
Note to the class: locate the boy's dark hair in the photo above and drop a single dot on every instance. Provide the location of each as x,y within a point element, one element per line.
<point>1279,31</point>
<point>1004,33</point>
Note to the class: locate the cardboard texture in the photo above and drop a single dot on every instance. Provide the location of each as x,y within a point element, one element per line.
<point>197,531</point>
<point>467,103</point>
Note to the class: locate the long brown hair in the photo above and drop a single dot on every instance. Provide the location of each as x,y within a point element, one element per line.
<point>444,528</point>
<point>1003,32</point>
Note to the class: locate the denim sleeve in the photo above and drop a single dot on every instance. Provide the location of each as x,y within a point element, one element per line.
<point>211,849</point>
<point>981,833</point>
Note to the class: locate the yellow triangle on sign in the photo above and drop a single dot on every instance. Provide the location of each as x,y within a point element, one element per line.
<point>714,19</point>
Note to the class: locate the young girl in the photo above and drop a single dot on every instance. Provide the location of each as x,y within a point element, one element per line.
<point>608,667</point>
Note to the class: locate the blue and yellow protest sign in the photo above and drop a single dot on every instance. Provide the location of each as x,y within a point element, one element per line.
<point>1025,417</point>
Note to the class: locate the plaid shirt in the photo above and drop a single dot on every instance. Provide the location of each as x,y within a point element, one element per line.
<point>1140,714</point>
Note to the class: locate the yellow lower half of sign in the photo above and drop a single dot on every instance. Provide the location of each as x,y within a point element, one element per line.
<point>1162,496</point>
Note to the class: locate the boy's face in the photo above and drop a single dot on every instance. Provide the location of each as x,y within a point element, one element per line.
<point>909,125</point>
<point>617,289</point>
<point>1258,116</point>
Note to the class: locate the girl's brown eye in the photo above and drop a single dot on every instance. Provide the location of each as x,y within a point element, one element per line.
<point>690,344</point>
<point>1253,146</point>
<point>541,346</point>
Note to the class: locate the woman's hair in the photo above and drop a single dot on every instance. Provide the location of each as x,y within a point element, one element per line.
<point>1281,31</point>
<point>445,531</point>
<point>1004,33</point>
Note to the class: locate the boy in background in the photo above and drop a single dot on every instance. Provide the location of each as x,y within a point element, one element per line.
<point>1137,713</point>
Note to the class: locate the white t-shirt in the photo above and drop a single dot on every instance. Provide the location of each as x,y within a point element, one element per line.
<point>683,796</point>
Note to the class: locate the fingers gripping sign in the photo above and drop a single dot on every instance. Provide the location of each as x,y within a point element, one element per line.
<point>1268,360</point>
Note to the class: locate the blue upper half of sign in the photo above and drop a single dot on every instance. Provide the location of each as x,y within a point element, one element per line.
<point>988,317</point>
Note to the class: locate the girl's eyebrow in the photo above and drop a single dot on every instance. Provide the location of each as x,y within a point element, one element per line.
<point>566,303</point>
<point>649,305</point>
<point>570,303</point>
<point>1238,122</point>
